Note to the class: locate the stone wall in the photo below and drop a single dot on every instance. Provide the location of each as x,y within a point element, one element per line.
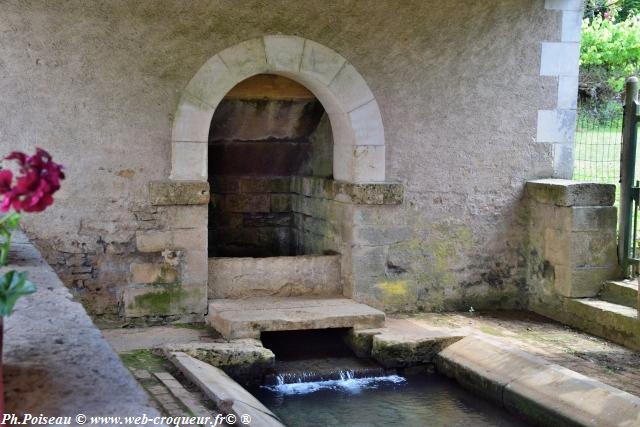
<point>458,85</point>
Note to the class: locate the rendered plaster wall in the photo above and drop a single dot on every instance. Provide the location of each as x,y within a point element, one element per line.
<point>459,88</point>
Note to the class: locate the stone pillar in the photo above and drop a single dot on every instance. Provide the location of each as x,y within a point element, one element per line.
<point>572,239</point>
<point>172,280</point>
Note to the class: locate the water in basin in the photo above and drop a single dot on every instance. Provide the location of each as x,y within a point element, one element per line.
<point>418,400</point>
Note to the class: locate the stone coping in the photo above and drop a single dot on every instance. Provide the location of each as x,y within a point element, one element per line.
<point>545,393</point>
<point>169,192</point>
<point>56,362</point>
<point>565,192</point>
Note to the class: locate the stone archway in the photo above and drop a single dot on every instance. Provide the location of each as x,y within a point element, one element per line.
<point>358,133</point>
<point>181,247</point>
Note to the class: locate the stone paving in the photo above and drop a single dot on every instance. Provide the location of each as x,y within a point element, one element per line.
<point>554,342</point>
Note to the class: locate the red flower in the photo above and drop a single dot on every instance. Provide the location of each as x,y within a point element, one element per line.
<point>39,177</point>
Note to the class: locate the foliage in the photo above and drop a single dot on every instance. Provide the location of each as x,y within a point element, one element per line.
<point>613,9</point>
<point>30,191</point>
<point>610,52</point>
<point>13,285</point>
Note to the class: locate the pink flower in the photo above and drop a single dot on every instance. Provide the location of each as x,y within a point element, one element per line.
<point>39,177</point>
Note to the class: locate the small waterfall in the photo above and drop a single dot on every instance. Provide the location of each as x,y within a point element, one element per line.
<point>306,376</point>
<point>308,382</point>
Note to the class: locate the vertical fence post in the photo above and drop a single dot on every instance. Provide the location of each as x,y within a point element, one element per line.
<point>627,171</point>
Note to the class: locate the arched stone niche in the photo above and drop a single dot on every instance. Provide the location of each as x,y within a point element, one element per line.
<point>356,123</point>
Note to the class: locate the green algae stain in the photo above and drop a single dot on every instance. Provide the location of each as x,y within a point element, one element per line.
<point>395,292</point>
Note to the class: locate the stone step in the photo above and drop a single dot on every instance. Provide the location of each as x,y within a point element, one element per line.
<point>247,318</point>
<point>615,322</point>
<point>623,292</point>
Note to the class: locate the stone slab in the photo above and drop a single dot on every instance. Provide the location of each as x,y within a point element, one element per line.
<point>243,359</point>
<point>317,275</point>
<point>167,193</point>
<point>227,394</point>
<point>128,339</point>
<point>545,393</point>
<point>564,192</point>
<point>623,292</point>
<point>56,362</point>
<point>400,349</point>
<point>247,318</point>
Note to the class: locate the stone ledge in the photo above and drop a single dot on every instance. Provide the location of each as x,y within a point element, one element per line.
<point>381,193</point>
<point>56,362</point>
<point>542,392</point>
<point>564,192</point>
<point>171,193</point>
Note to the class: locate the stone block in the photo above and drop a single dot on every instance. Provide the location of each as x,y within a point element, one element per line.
<point>192,120</point>
<point>594,218</point>
<point>265,185</point>
<point>571,26</point>
<point>244,359</point>
<point>163,300</point>
<point>192,216</point>
<point>245,59</point>
<point>563,160</point>
<point>178,193</point>
<point>575,5</point>
<point>561,192</point>
<point>399,350</point>
<point>247,203</point>
<point>560,59</point>
<point>194,268</point>
<point>366,125</point>
<point>153,241</point>
<point>284,53</point>
<point>320,62</point>
<point>280,203</point>
<point>568,92</point>
<point>343,162</point>
<point>556,126</point>
<point>189,161</point>
<point>582,282</point>
<point>210,84</point>
<point>153,273</point>
<point>275,276</point>
<point>158,241</point>
<point>350,88</point>
<point>369,163</point>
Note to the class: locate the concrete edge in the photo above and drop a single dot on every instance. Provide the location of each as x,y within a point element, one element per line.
<point>542,392</point>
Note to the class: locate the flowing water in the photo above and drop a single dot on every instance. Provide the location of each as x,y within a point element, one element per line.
<point>317,381</point>
<point>427,400</point>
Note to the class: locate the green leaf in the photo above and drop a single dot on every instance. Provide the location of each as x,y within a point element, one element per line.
<point>13,285</point>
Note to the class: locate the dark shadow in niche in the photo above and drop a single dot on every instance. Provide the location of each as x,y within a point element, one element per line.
<point>267,130</point>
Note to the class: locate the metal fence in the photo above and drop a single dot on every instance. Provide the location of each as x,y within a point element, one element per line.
<point>598,142</point>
